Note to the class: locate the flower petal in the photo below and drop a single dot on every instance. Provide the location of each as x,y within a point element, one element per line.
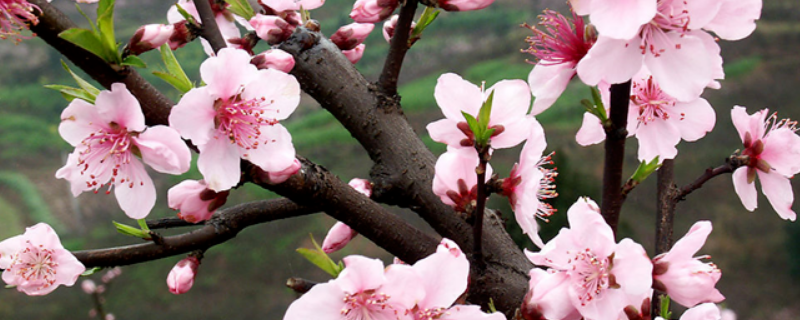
<point>614,61</point>
<point>194,115</point>
<point>454,94</point>
<point>683,68</point>
<point>219,163</point>
<point>227,72</point>
<point>446,131</point>
<point>746,191</point>
<point>121,107</point>
<point>78,121</point>
<point>591,131</point>
<point>323,302</point>
<point>275,153</point>
<point>693,119</point>
<point>547,83</point>
<point>778,190</point>
<point>621,19</point>
<point>138,197</point>
<point>163,149</point>
<point>281,89</point>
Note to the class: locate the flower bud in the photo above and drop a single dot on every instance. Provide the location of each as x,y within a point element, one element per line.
<point>283,175</point>
<point>372,11</point>
<point>194,200</point>
<point>272,29</point>
<point>181,278</point>
<point>355,54</point>
<point>361,185</point>
<point>338,237</point>
<point>150,37</point>
<point>180,35</point>
<point>274,59</point>
<point>390,25</point>
<point>88,286</point>
<point>351,35</point>
<point>464,5</point>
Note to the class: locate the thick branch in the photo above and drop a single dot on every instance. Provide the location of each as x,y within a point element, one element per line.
<point>397,50</point>
<point>210,29</point>
<point>219,229</point>
<point>665,217</point>
<point>52,22</point>
<point>167,223</point>
<point>615,153</point>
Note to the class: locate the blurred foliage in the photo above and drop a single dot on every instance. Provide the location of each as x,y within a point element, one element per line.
<point>30,197</point>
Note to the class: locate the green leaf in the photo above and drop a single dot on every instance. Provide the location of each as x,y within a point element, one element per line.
<point>186,15</point>
<point>9,286</point>
<point>105,26</point>
<point>91,23</point>
<point>321,259</point>
<point>473,123</point>
<point>70,93</point>
<point>133,61</point>
<point>91,271</point>
<point>425,20</point>
<point>85,39</point>
<point>131,231</point>
<point>85,85</point>
<point>645,169</point>
<point>486,112</point>
<point>665,313</point>
<point>492,308</point>
<point>241,8</point>
<point>174,81</point>
<point>598,102</point>
<point>143,224</point>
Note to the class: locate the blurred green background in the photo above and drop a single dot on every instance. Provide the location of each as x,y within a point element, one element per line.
<point>758,252</point>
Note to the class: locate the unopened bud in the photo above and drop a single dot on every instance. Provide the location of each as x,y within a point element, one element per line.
<point>338,237</point>
<point>272,29</point>
<point>150,37</point>
<point>464,5</point>
<point>355,54</point>
<point>372,11</point>
<point>194,200</point>
<point>181,278</point>
<point>283,175</point>
<point>351,35</point>
<point>88,286</point>
<point>390,25</point>
<point>274,59</point>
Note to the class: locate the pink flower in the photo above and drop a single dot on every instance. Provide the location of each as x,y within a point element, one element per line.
<point>355,54</point>
<point>108,138</point>
<point>601,277</point>
<point>705,311</point>
<point>223,17</point>
<point>272,29</point>
<point>15,15</point>
<point>194,200</point>
<point>464,5</point>
<point>774,152</point>
<point>617,19</point>
<point>727,314</point>
<point>558,50</point>
<point>363,290</point>
<point>390,25</point>
<point>683,58</point>
<point>149,37</point>
<point>736,19</point>
<point>36,262</point>
<point>682,276</point>
<point>181,277</point>
<point>455,181</point>
<point>509,107</point>
<point>274,59</point>
<point>341,234</point>
<point>338,237</point>
<point>372,11</point>
<point>235,116</point>
<point>529,184</point>
<point>88,286</point>
<point>283,175</point>
<point>548,297</point>
<point>351,35</point>
<point>658,120</point>
<point>280,6</point>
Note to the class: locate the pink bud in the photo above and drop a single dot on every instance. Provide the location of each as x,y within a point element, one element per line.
<point>283,175</point>
<point>274,59</point>
<point>390,25</point>
<point>272,29</point>
<point>361,185</point>
<point>180,35</point>
<point>464,5</point>
<point>338,237</point>
<point>150,37</point>
<point>351,35</point>
<point>181,278</point>
<point>372,11</point>
<point>355,54</point>
<point>194,200</point>
<point>88,286</point>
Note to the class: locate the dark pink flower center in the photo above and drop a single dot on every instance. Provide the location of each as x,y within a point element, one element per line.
<point>593,275</point>
<point>428,313</point>
<point>14,16</point>
<point>35,264</point>
<point>755,146</point>
<point>241,120</point>
<point>360,306</point>
<point>108,150</point>
<point>652,102</point>
<point>653,34</point>
<point>562,41</point>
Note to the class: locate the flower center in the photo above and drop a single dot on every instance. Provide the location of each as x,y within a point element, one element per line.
<point>562,41</point>
<point>35,264</point>
<point>14,16</point>
<point>652,102</point>
<point>360,306</point>
<point>241,120</point>
<point>107,150</point>
<point>593,274</point>
<point>429,313</point>
<point>667,19</point>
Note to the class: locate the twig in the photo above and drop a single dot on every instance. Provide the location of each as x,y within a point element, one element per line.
<point>167,223</point>
<point>477,225</point>
<point>615,153</point>
<point>210,29</point>
<point>397,50</point>
<point>731,164</point>
<point>300,285</point>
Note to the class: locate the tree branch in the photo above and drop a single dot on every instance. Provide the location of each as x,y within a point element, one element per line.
<point>665,219</point>
<point>52,21</point>
<point>210,30</point>
<point>615,153</point>
<point>731,164</point>
<point>220,228</point>
<point>167,223</point>
<point>397,50</point>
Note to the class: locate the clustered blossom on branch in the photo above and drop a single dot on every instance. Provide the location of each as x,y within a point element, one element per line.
<point>15,15</point>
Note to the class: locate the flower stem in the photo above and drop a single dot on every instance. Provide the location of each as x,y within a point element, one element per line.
<point>480,203</point>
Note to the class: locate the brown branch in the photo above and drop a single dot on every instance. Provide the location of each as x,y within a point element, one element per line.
<point>731,164</point>
<point>615,153</point>
<point>167,223</point>
<point>219,229</point>
<point>52,21</point>
<point>397,50</point>
<point>665,219</point>
<point>300,285</point>
<point>210,30</point>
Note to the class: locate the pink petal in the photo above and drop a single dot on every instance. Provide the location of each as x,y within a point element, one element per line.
<point>715,59</point>
<point>323,302</point>
<point>527,205</point>
<point>701,12</point>
<point>681,72</point>
<point>121,107</point>
<point>657,138</point>
<point>736,19</point>
<point>609,304</point>
<point>454,94</point>
<point>219,164</point>
<point>183,191</point>
<point>163,150</point>
<point>338,237</point>
<point>78,121</point>
<point>589,227</point>
<point>514,131</point>
<point>614,61</point>
<point>72,173</point>
<point>705,311</point>
<point>688,246</point>
<point>742,122</point>
<point>403,285</point>
<point>693,119</point>
<point>275,153</point>
<point>470,312</point>
<point>535,145</point>
<point>281,89</point>
<point>8,248</point>
<point>778,190</point>
<point>69,268</point>
<point>227,72</point>
<point>632,268</point>
<point>444,276</point>
<point>451,166</point>
<point>782,151</point>
<point>138,199</point>
<point>445,131</point>
<point>746,191</point>
<point>361,274</point>
<point>548,82</point>
<point>621,19</point>
<point>581,7</point>
<point>194,115</point>
<point>591,131</point>
<point>550,294</point>
<point>510,102</point>
<point>43,235</point>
